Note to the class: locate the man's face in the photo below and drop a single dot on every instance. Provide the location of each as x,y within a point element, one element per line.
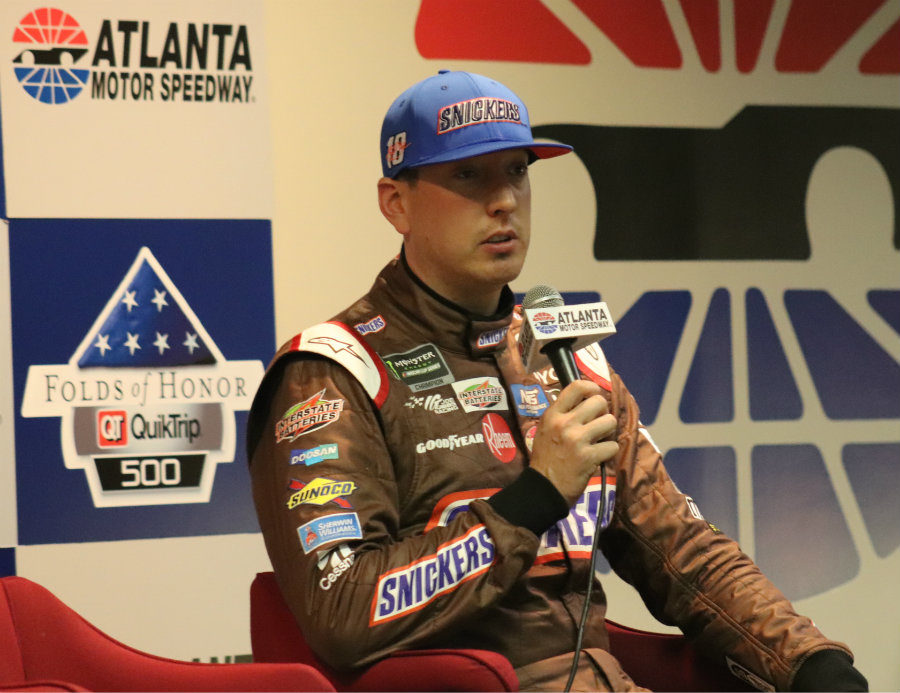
<point>469,225</point>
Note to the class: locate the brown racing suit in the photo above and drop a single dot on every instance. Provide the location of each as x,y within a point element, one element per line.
<point>379,445</point>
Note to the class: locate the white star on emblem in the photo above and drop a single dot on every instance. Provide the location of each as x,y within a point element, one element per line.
<point>190,342</point>
<point>129,300</point>
<point>102,344</point>
<point>132,343</point>
<point>159,298</point>
<point>162,342</point>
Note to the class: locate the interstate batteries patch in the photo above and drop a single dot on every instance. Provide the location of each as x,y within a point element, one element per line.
<point>307,416</point>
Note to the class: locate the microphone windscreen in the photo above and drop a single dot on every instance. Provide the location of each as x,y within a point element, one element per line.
<point>542,296</point>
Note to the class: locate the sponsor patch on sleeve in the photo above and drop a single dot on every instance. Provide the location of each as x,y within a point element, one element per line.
<point>333,564</point>
<point>324,530</point>
<point>308,416</point>
<point>311,456</point>
<point>409,588</point>
<point>320,491</point>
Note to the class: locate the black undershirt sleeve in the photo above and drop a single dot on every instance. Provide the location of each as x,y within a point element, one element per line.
<point>531,501</point>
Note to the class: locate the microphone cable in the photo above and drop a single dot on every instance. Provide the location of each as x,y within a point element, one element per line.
<point>601,511</point>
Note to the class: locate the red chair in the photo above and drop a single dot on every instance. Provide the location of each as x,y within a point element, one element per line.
<point>661,662</point>
<point>275,637</point>
<point>46,646</point>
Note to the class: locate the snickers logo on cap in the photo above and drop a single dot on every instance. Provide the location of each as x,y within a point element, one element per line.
<point>479,110</point>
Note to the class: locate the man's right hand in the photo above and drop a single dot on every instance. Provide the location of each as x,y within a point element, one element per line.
<point>570,443</point>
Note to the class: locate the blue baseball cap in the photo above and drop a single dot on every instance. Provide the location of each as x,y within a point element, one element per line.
<point>452,116</point>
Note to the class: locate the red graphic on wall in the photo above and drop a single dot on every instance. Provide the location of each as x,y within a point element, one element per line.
<point>527,31</point>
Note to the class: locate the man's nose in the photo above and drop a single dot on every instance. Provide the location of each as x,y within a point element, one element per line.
<point>502,198</point>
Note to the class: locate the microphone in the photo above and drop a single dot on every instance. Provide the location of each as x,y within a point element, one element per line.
<point>555,331</point>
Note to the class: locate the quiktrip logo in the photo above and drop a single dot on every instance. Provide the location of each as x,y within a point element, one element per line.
<point>147,400</point>
<point>112,428</point>
<point>133,60</point>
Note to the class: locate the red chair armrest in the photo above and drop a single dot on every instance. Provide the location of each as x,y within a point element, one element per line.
<point>37,686</point>
<point>668,662</point>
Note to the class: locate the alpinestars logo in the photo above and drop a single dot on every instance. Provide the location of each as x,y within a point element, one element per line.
<point>132,60</point>
<point>147,400</point>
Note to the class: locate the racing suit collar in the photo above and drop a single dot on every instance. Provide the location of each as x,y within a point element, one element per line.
<point>441,321</point>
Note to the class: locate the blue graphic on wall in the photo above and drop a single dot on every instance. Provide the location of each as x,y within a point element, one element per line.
<point>137,348</point>
<point>7,562</point>
<point>137,330</point>
<point>798,519</point>
<point>643,348</point>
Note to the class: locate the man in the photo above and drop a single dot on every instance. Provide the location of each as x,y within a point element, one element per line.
<point>417,487</point>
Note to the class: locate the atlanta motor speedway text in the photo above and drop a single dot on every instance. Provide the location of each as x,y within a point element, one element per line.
<point>123,85</point>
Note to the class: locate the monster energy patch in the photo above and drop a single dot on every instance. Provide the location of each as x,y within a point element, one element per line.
<point>421,368</point>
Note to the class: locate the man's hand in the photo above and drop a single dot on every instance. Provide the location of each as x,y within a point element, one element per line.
<point>569,445</point>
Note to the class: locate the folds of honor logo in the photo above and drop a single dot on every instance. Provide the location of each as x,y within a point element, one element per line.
<point>147,400</point>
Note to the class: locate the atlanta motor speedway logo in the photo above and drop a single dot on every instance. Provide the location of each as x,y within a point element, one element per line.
<point>131,59</point>
<point>147,400</point>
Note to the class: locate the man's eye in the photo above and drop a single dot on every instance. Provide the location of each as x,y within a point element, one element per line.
<point>465,173</point>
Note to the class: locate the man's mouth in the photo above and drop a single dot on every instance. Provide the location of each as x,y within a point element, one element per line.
<point>501,237</point>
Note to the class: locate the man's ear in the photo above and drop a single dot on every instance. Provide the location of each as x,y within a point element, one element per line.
<point>392,201</point>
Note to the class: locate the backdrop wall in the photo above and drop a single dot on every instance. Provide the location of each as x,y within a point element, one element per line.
<point>733,199</point>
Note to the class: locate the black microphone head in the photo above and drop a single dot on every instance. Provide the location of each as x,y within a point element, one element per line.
<point>542,296</point>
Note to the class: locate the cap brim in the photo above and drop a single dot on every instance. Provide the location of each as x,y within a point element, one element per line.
<point>546,150</point>
<point>542,150</point>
